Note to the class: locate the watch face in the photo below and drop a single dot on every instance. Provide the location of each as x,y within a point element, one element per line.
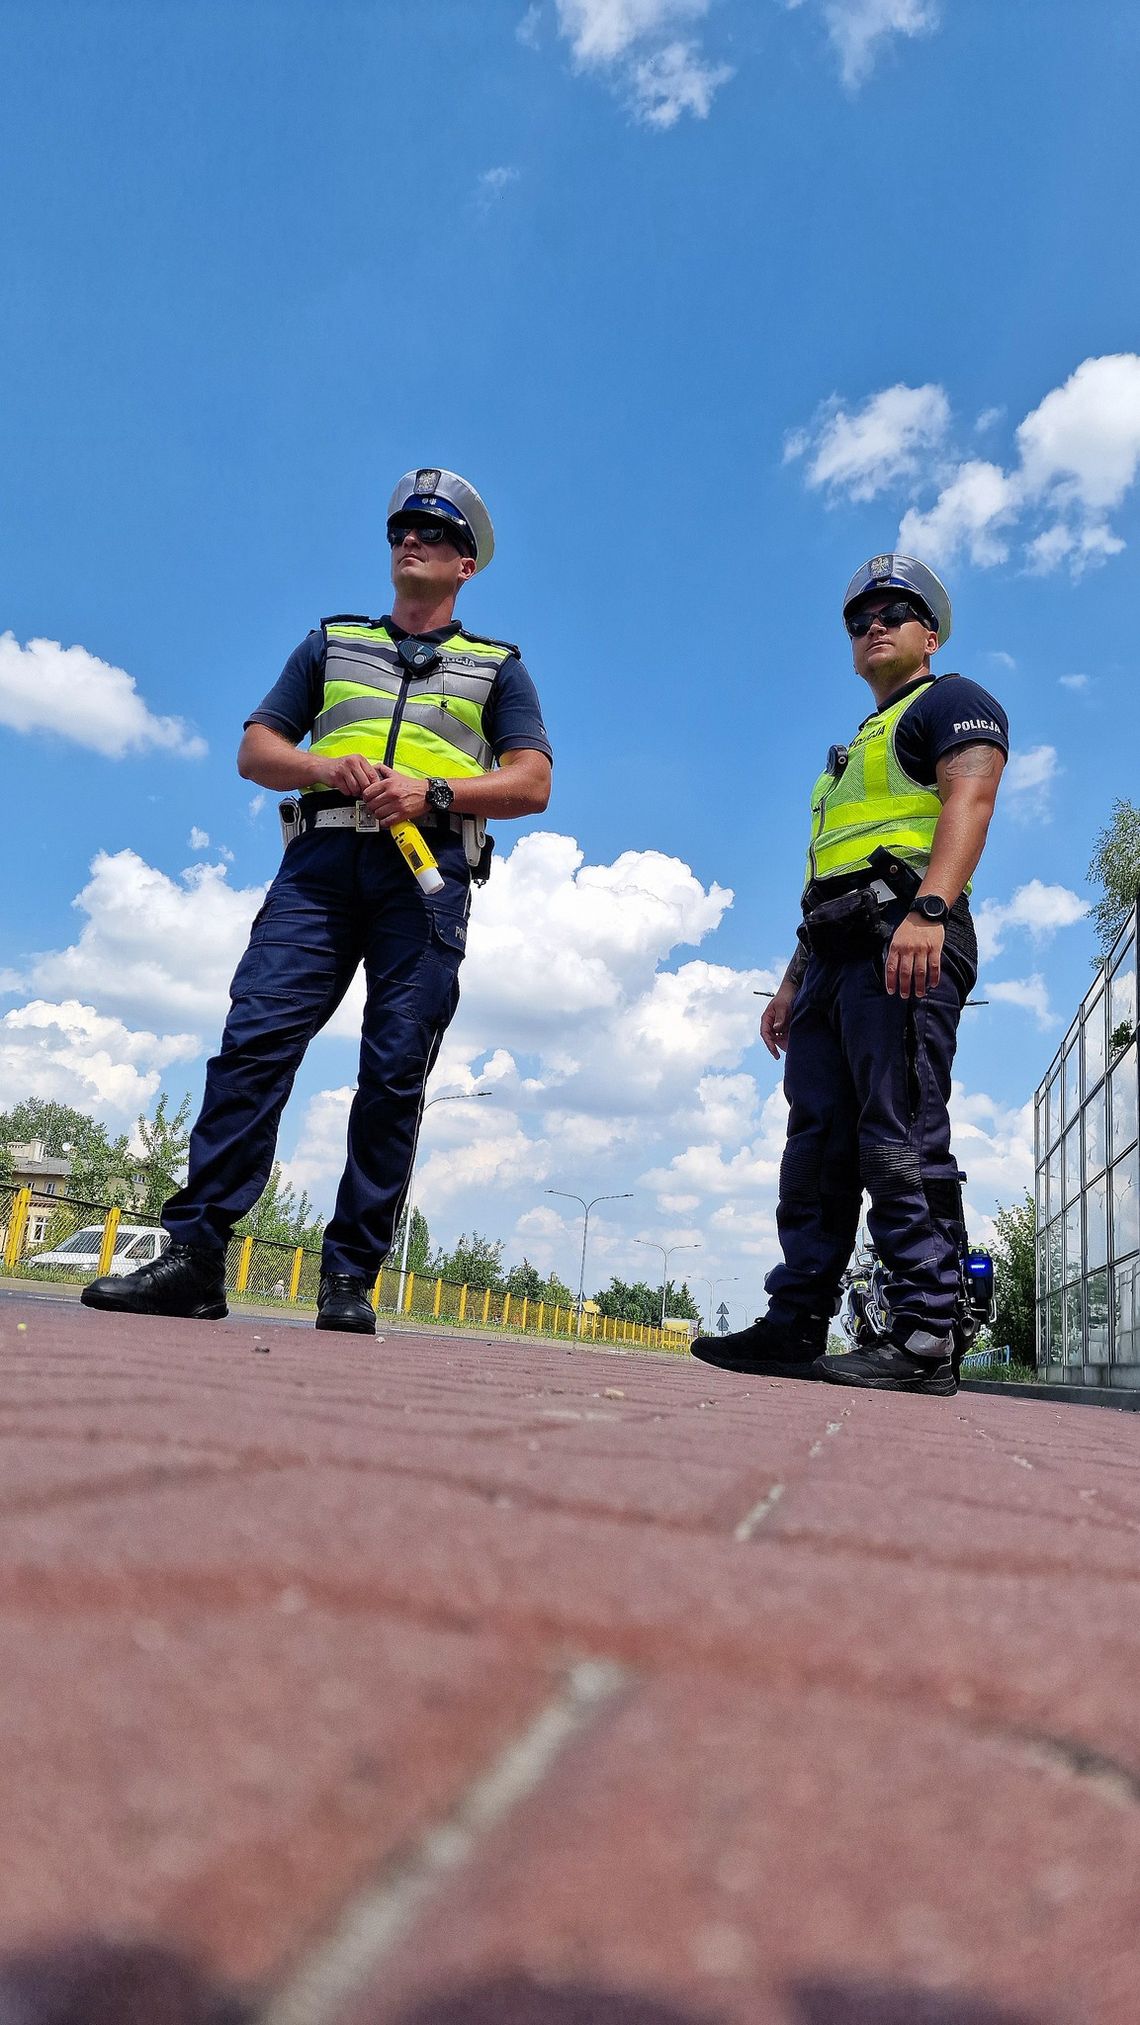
<point>933,908</point>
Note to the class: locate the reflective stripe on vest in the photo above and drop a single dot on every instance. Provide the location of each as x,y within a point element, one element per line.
<point>441,716</point>
<point>873,801</point>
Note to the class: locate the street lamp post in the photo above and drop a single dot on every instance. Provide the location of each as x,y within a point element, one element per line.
<point>726,1280</point>
<point>625,1196</point>
<point>453,1097</point>
<point>666,1252</point>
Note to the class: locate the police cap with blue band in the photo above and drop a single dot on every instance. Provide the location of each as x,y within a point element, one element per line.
<point>903,573</point>
<point>434,495</point>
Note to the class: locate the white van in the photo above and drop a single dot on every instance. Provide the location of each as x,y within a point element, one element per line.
<point>136,1244</point>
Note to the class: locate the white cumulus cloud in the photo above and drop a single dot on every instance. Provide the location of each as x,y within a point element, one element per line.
<point>1030,993</point>
<point>65,692</point>
<point>1028,782</point>
<point>862,451</point>
<point>641,46</point>
<point>75,1055</point>
<point>859,29</point>
<point>1035,907</point>
<point>152,947</point>
<point>1077,460</point>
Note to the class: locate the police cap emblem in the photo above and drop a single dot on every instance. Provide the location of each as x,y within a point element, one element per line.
<point>879,565</point>
<point>427,484</point>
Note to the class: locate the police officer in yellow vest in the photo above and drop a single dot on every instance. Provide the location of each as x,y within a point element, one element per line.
<point>868,1008</point>
<point>412,719</point>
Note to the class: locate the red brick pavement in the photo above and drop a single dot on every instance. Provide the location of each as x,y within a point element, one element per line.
<point>440,1682</point>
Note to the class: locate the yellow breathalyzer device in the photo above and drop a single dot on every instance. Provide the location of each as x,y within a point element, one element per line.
<point>414,851</point>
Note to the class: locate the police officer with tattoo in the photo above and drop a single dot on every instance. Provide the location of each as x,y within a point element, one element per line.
<point>867,1012</point>
<point>411,721</point>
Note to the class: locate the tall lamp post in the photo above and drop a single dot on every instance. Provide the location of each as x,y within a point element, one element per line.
<point>625,1196</point>
<point>453,1097</point>
<point>666,1252</point>
<point>712,1285</point>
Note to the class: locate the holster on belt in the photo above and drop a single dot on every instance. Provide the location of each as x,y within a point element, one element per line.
<point>850,925</point>
<point>858,922</point>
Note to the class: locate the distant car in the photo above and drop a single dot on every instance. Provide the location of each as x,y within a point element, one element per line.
<point>136,1244</point>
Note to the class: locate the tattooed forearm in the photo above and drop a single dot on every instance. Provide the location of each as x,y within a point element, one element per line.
<point>797,967</point>
<point>982,760</point>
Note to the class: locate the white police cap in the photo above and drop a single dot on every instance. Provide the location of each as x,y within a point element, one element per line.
<point>903,573</point>
<point>443,495</point>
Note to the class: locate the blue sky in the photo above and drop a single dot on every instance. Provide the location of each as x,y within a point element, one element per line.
<point>709,298</point>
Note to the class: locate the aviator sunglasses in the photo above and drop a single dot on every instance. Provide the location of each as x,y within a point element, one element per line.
<point>859,624</point>
<point>431,533</point>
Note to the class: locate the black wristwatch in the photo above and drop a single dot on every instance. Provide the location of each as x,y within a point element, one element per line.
<point>440,796</point>
<point>932,908</point>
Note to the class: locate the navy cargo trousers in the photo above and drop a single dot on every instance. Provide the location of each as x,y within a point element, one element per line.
<point>339,900</point>
<point>867,1077</point>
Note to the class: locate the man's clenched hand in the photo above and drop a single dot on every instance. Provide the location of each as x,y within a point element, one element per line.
<point>395,797</point>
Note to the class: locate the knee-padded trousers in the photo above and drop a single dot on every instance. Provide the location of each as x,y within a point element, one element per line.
<point>338,900</point>
<point>867,1077</point>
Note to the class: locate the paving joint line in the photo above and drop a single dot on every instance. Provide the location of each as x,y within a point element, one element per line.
<point>340,1967</point>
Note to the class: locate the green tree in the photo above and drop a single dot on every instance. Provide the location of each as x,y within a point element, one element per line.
<point>1015,1274</point>
<point>679,1302</point>
<point>526,1280</point>
<point>476,1261</point>
<point>641,1303</point>
<point>282,1217</point>
<point>1115,869</point>
<point>161,1168</point>
<point>419,1243</point>
<point>623,1301</point>
<point>101,1171</point>
<point>102,1168</point>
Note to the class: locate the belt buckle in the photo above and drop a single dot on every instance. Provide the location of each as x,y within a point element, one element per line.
<point>364,818</point>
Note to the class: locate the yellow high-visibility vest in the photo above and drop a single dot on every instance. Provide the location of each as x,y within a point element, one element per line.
<point>424,725</point>
<point>873,801</point>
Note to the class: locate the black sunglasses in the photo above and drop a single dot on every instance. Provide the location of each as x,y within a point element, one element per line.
<point>859,624</point>
<point>431,533</point>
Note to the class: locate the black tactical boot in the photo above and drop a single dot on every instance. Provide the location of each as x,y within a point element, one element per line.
<point>188,1280</point>
<point>769,1349</point>
<point>889,1367</point>
<point>343,1303</point>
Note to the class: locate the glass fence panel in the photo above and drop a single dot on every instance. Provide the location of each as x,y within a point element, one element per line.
<point>1096,1136</point>
<point>1071,1079</point>
<point>1053,1105</point>
<point>1074,1260</point>
<point>1071,1161</point>
<point>1055,1182</point>
<point>1122,998</point>
<point>1055,1242</point>
<point>1093,1039</point>
<point>1126,1313</point>
<point>1074,1325</point>
<point>1123,1102</point>
<point>1056,1338</point>
<point>1097,1318</point>
<point>1125,1207</point>
<point>1096,1224</point>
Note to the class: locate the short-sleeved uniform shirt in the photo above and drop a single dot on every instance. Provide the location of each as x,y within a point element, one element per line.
<point>512,715</point>
<point>952,712</point>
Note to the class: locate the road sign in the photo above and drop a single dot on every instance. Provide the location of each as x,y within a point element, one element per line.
<point>722,1318</point>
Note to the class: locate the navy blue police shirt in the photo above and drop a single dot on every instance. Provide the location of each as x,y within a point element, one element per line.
<point>512,715</point>
<point>954,711</point>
